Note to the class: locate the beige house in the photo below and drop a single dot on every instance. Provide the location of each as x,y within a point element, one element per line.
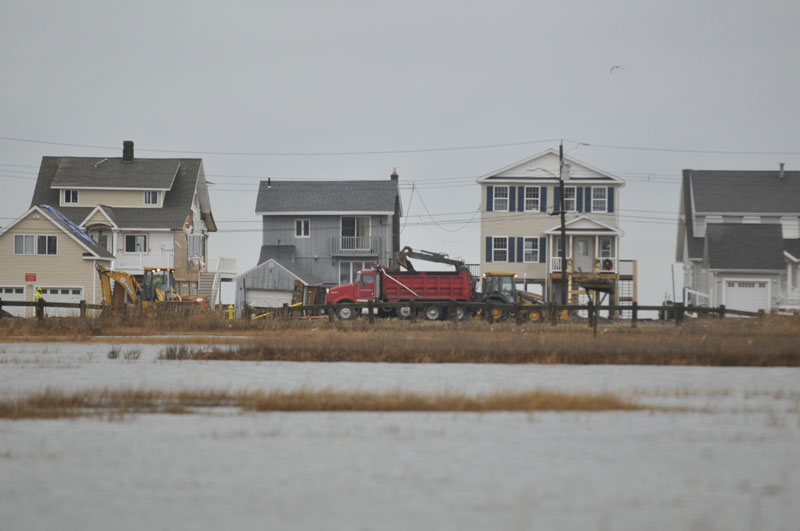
<point>521,229</point>
<point>42,248</point>
<point>145,212</point>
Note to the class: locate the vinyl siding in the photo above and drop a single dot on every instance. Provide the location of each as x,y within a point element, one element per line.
<point>67,268</point>
<point>113,198</point>
<point>98,218</point>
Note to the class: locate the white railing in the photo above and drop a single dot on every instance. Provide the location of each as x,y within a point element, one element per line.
<point>355,245</point>
<point>627,267</point>
<point>129,261</point>
<point>607,264</point>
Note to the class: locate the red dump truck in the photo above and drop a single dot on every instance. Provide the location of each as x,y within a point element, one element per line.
<point>380,285</point>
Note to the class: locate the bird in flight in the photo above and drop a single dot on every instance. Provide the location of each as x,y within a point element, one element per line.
<point>611,70</point>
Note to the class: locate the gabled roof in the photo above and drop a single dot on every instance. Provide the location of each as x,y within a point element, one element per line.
<point>745,192</point>
<point>177,200</point>
<point>544,167</point>
<point>323,197</point>
<point>738,246</point>
<point>279,252</point>
<point>66,226</point>
<point>283,256</point>
<point>586,225</point>
<point>106,211</point>
<point>103,173</point>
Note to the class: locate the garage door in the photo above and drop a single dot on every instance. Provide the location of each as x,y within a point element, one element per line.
<point>13,293</point>
<point>264,298</point>
<point>747,295</point>
<point>57,294</point>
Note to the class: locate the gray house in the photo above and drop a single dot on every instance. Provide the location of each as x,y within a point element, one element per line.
<point>320,233</point>
<point>739,239</point>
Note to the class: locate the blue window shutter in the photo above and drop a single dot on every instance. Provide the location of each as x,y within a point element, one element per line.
<point>489,198</point>
<point>611,199</point>
<point>510,249</point>
<point>543,199</point>
<point>542,250</point>
<point>521,199</point>
<point>488,248</point>
<point>579,199</point>
<point>588,196</point>
<point>520,250</point>
<point>512,198</point>
<point>557,199</point>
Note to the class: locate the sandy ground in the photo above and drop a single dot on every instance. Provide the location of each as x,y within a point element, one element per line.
<point>730,461</point>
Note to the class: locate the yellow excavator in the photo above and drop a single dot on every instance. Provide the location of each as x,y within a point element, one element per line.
<point>157,286</point>
<point>502,288</point>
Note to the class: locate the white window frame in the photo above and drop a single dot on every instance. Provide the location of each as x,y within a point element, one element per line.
<point>125,243</point>
<point>495,199</point>
<point>532,204</point>
<point>601,252</point>
<point>71,197</point>
<point>151,197</point>
<point>31,238</point>
<point>532,249</point>
<point>603,202</point>
<point>567,199</point>
<point>496,249</point>
<point>33,244</point>
<point>302,228</point>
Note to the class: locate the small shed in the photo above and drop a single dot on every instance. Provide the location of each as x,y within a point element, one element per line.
<point>273,283</point>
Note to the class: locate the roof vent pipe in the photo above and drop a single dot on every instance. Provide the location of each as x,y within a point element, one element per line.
<point>269,182</point>
<point>127,151</point>
<point>394,175</point>
<point>780,171</point>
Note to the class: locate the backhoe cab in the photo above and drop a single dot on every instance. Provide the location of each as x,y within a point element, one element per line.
<point>502,289</point>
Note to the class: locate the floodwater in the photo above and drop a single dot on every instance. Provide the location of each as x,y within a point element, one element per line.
<point>728,459</point>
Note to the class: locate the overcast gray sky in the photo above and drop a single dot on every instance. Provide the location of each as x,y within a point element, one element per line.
<point>355,76</point>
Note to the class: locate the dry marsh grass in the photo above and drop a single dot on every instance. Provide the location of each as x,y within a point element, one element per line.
<point>117,403</point>
<point>717,343</point>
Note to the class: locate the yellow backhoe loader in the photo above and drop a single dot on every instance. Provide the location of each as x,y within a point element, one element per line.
<point>157,286</point>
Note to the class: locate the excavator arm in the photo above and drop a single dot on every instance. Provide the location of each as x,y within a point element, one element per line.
<point>420,254</point>
<point>128,283</point>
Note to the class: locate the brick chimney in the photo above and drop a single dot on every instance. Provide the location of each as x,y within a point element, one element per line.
<point>127,151</point>
<point>394,175</point>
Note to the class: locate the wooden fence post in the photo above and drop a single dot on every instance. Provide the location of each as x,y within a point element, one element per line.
<point>722,311</point>
<point>413,307</point>
<point>370,312</point>
<point>552,310</point>
<point>82,309</point>
<point>679,309</point>
<point>1,307</point>
<point>634,314</point>
<point>453,315</point>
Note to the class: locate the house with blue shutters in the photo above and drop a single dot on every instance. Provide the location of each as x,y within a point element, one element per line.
<point>521,228</point>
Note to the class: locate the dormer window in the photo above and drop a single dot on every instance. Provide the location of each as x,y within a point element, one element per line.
<point>70,197</point>
<point>151,197</point>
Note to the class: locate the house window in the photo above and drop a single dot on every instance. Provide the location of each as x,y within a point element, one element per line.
<point>531,199</point>
<point>531,249</point>
<point>302,228</point>
<point>47,245</point>
<point>23,244</point>
<point>356,232</point>
<point>70,197</point>
<point>500,249</point>
<point>136,243</point>
<point>28,244</point>
<point>570,203</point>
<point>500,199</point>
<point>606,247</point>
<point>599,199</point>
<point>151,197</point>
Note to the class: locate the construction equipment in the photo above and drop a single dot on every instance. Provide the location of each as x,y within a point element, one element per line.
<point>502,289</point>
<point>157,286</point>
<point>380,285</point>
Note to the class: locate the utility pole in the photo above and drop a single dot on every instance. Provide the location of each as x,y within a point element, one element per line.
<point>563,224</point>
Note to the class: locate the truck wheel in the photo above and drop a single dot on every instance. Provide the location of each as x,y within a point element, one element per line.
<point>433,313</point>
<point>404,312</point>
<point>459,313</point>
<point>346,313</point>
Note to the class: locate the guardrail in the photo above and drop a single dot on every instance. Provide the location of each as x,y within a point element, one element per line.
<point>490,311</point>
<point>41,305</point>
